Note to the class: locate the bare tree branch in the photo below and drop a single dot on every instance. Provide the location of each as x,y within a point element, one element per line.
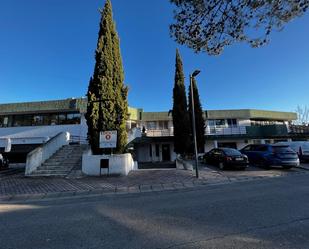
<point>210,25</point>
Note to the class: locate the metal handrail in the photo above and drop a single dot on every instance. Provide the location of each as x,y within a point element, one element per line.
<point>79,139</point>
<point>236,130</point>
<point>160,133</point>
<point>299,129</point>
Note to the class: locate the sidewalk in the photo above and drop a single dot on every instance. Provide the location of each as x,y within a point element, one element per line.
<point>18,187</point>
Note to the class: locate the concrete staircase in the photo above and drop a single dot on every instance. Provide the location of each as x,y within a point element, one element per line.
<point>61,163</point>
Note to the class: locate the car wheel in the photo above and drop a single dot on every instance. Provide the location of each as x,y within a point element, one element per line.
<point>221,165</point>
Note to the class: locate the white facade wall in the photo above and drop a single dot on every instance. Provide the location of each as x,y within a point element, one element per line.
<point>244,122</point>
<point>40,134</point>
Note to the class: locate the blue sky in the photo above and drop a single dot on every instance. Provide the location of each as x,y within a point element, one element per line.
<point>47,52</point>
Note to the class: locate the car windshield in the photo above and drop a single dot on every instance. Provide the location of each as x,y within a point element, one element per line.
<point>231,152</point>
<point>282,149</point>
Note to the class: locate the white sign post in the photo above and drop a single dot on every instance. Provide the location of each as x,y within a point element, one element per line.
<point>108,139</point>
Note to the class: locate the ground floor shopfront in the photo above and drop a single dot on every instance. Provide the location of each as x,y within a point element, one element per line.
<point>161,149</point>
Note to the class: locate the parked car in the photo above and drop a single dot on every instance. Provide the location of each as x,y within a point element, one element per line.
<point>300,147</point>
<point>4,162</point>
<point>268,155</point>
<point>226,158</point>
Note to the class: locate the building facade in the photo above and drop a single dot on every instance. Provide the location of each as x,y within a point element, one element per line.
<point>150,134</point>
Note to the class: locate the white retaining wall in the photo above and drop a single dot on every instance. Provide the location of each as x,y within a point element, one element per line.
<point>118,164</point>
<point>38,156</point>
<point>185,164</point>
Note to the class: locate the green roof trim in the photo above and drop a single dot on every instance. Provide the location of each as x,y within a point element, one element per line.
<point>80,104</point>
<point>251,114</point>
<point>156,116</point>
<point>42,106</point>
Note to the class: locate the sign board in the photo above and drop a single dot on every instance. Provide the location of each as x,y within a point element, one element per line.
<point>108,139</point>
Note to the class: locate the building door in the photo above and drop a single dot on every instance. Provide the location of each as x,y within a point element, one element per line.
<point>166,153</point>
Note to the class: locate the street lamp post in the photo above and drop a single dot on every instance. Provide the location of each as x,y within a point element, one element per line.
<point>194,74</point>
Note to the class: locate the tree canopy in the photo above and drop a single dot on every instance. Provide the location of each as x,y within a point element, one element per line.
<point>180,110</point>
<point>107,107</point>
<point>210,25</point>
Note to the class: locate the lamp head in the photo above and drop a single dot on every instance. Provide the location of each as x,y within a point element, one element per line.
<point>195,73</point>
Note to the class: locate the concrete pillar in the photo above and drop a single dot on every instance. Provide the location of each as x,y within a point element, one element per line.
<point>215,143</point>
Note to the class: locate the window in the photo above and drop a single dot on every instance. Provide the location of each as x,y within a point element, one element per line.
<point>217,152</point>
<point>247,148</point>
<point>163,125</point>
<point>46,119</point>
<point>262,148</point>
<point>151,125</point>
<point>211,122</point>
<point>4,121</point>
<point>232,152</point>
<point>53,119</point>
<point>37,120</point>
<point>220,122</point>
<point>62,119</point>
<point>150,150</point>
<point>22,120</point>
<point>232,122</point>
<point>73,118</point>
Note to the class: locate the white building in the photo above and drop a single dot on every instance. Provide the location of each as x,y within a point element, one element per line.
<point>31,124</point>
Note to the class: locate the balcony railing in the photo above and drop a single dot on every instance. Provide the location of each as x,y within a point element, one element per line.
<point>250,131</point>
<point>160,133</point>
<point>237,130</point>
<point>299,129</point>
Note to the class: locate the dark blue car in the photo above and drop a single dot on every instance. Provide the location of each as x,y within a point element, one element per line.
<point>268,155</point>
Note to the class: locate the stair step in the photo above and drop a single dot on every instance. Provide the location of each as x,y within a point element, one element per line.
<point>51,172</point>
<point>62,162</point>
<point>55,167</point>
<point>49,175</point>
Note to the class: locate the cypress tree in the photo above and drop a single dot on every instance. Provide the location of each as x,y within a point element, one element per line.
<point>180,110</point>
<point>106,85</point>
<point>199,119</point>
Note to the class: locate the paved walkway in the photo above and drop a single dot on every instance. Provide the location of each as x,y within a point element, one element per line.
<point>18,187</point>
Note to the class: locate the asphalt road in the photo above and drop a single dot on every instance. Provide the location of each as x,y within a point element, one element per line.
<point>272,213</point>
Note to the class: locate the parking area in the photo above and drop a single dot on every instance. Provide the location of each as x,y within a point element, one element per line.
<point>252,171</point>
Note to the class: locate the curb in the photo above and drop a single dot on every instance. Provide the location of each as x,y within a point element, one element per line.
<point>135,189</point>
<point>164,187</point>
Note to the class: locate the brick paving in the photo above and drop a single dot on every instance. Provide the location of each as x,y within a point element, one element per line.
<point>17,186</point>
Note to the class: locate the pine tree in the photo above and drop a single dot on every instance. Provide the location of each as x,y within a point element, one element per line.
<point>199,120</point>
<point>180,110</point>
<point>107,107</point>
